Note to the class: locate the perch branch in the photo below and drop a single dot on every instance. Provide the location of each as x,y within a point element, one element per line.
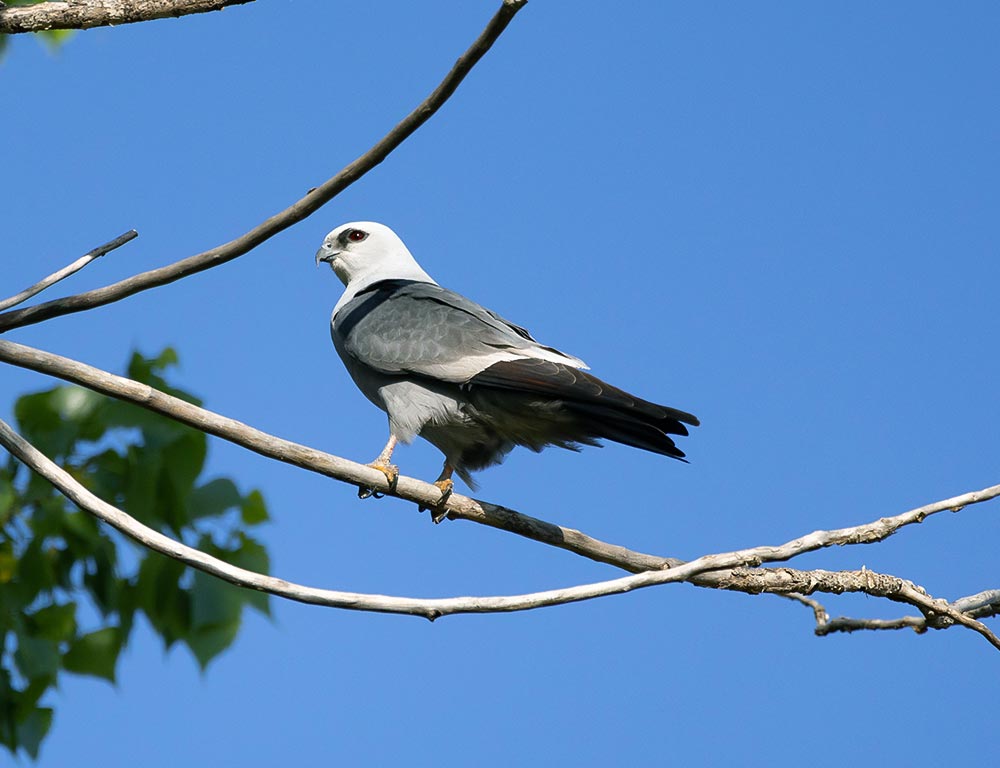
<point>432,608</point>
<point>66,271</point>
<point>410,489</point>
<point>712,572</point>
<point>84,14</point>
<point>428,495</point>
<point>313,200</point>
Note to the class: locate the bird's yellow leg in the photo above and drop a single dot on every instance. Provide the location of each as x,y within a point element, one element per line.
<point>383,465</point>
<point>447,485</point>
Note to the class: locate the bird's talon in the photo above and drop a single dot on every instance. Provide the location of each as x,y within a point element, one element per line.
<point>446,487</point>
<point>391,472</point>
<point>438,511</point>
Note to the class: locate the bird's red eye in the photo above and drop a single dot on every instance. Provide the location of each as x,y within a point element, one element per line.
<point>356,235</point>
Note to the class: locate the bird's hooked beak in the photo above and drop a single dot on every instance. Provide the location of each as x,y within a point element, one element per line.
<point>326,253</point>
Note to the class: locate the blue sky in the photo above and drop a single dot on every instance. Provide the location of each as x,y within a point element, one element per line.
<point>779,216</point>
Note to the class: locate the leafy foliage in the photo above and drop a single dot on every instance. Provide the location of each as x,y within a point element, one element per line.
<point>53,38</point>
<point>70,589</point>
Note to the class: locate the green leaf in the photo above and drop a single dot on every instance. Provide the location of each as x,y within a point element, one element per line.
<point>81,529</point>
<point>254,510</point>
<point>159,594</point>
<point>35,571</point>
<point>140,493</point>
<point>95,653</point>
<point>28,699</point>
<point>54,38</point>
<point>148,370</point>
<point>39,421</point>
<point>213,601</point>
<point>32,729</point>
<point>56,419</point>
<point>250,555</point>
<point>214,497</point>
<point>208,642</point>
<point>36,657</point>
<point>216,608</point>
<point>101,581</point>
<point>55,622</point>
<point>8,563</point>
<point>8,497</point>
<point>183,460</point>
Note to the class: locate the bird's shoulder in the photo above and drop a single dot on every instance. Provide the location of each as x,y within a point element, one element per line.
<point>398,303</point>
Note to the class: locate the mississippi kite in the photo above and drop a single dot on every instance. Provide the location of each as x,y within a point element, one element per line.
<point>462,377</point>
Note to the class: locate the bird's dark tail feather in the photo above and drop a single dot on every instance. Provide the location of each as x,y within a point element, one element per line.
<point>612,424</point>
<point>600,409</point>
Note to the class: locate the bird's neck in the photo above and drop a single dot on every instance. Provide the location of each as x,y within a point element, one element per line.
<point>361,283</point>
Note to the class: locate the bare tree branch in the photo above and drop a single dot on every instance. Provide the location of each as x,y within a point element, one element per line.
<point>84,14</point>
<point>979,606</point>
<point>66,271</point>
<point>724,571</point>
<point>880,585</point>
<point>982,605</point>
<point>313,200</point>
<point>411,489</point>
<point>844,624</point>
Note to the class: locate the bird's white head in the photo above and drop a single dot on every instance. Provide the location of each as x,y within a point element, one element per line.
<point>364,252</point>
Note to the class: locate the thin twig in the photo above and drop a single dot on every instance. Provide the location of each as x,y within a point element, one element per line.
<point>298,211</point>
<point>931,607</point>
<point>66,271</point>
<point>85,15</point>
<point>979,606</point>
<point>845,624</point>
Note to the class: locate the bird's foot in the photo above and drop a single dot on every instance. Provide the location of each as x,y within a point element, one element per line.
<point>438,512</point>
<point>391,472</point>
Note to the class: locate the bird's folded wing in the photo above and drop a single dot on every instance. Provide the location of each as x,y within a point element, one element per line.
<point>581,391</point>
<point>400,326</point>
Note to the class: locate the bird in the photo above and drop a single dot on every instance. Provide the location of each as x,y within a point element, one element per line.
<point>462,377</point>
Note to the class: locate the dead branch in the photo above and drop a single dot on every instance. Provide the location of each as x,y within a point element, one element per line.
<point>879,585</point>
<point>85,14</point>
<point>68,270</point>
<point>979,606</point>
<point>725,571</point>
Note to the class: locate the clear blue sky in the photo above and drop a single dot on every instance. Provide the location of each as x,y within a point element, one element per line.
<point>781,217</point>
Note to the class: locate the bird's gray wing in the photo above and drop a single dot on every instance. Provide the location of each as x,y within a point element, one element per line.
<point>402,326</point>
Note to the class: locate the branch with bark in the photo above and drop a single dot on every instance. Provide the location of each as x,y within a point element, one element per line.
<point>736,571</point>
<point>86,14</point>
<point>741,570</point>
